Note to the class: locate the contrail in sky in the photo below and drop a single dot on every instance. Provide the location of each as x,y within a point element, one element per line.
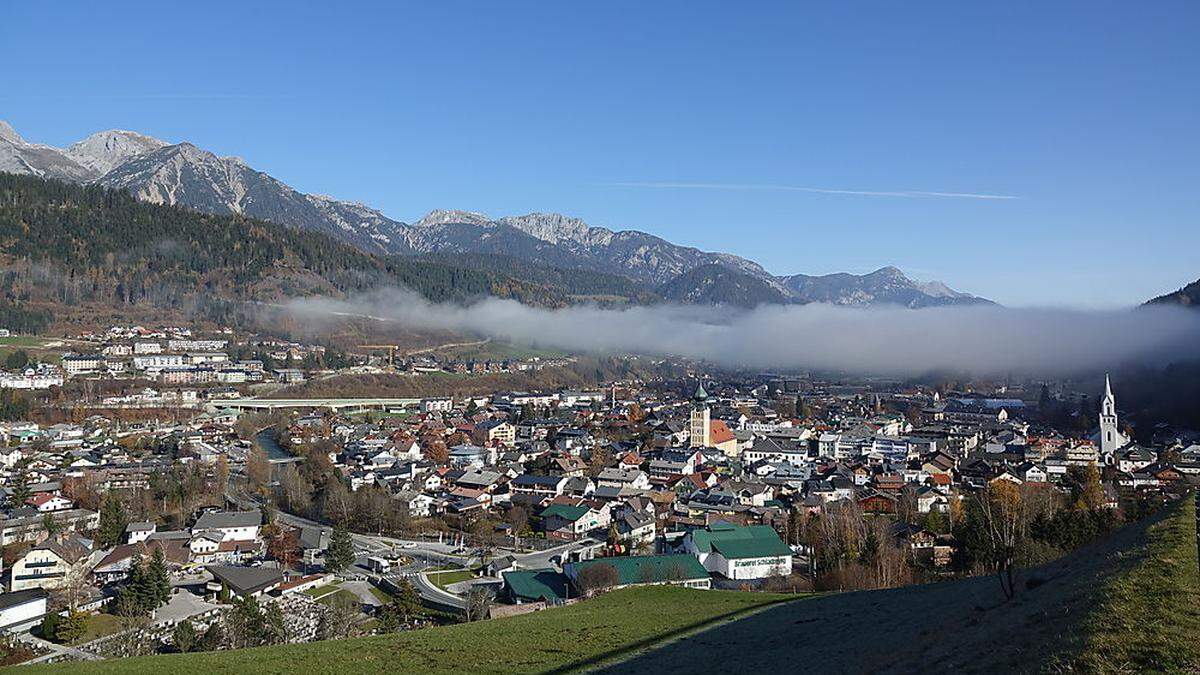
<point>813,190</point>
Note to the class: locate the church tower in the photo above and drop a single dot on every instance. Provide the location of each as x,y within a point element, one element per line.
<point>700,427</point>
<point>1110,433</point>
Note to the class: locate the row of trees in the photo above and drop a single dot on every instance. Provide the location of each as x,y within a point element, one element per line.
<point>996,530</point>
<point>1007,526</point>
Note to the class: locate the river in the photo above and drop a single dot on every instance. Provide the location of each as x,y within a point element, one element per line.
<point>266,440</point>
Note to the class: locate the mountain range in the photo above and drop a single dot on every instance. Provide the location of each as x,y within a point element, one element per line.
<point>181,174</point>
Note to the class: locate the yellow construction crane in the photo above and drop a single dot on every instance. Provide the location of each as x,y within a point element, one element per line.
<point>391,352</point>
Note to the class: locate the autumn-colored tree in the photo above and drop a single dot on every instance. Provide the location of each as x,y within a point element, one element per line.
<point>258,467</point>
<point>221,471</point>
<point>436,451</point>
<point>636,414</point>
<point>1004,521</point>
<point>282,544</point>
<point>600,458</point>
<point>597,578</point>
<point>82,490</point>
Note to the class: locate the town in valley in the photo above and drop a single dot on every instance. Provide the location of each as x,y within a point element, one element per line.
<point>178,489</point>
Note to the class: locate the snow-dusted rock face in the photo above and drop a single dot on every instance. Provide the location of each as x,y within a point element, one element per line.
<point>182,174</point>
<point>560,240</point>
<point>19,156</point>
<point>185,175</point>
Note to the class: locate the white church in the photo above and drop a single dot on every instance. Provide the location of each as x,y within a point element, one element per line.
<point>1108,438</point>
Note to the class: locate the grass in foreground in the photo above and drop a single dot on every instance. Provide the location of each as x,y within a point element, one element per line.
<point>1149,617</point>
<point>607,627</point>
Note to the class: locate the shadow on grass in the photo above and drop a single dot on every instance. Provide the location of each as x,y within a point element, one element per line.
<point>617,655</point>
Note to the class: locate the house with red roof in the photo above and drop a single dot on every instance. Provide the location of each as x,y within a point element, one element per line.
<point>46,502</point>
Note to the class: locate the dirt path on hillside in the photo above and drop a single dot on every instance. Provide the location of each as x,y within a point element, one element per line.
<point>957,626</point>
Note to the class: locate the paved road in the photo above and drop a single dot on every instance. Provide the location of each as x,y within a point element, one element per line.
<point>558,554</point>
<point>430,592</point>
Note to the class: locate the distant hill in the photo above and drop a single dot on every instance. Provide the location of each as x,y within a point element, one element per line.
<point>577,283</point>
<point>66,243</point>
<point>182,174</point>
<point>885,286</point>
<point>1188,296</point>
<point>715,284</point>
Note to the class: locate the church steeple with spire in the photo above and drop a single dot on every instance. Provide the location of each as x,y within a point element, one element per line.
<point>1110,437</point>
<point>700,425</point>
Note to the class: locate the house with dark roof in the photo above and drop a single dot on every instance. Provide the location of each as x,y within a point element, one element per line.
<point>51,563</point>
<point>246,582</point>
<point>22,610</point>
<point>561,521</point>
<point>544,486</point>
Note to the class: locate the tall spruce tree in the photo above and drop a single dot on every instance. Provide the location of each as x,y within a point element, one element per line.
<point>158,582</point>
<point>340,553</point>
<point>113,522</point>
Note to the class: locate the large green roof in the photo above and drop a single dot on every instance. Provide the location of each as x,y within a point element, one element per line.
<point>567,513</point>
<point>733,541</point>
<point>645,569</point>
<point>536,584</point>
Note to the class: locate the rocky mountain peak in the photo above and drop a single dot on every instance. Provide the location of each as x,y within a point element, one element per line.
<point>555,228</point>
<point>106,150</point>
<point>444,216</point>
<point>9,134</point>
<point>889,272</point>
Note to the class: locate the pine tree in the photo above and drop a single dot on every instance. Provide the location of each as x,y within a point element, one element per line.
<point>131,602</point>
<point>158,582</point>
<point>113,522</point>
<point>19,490</point>
<point>340,553</point>
<point>184,636</point>
<point>404,607</point>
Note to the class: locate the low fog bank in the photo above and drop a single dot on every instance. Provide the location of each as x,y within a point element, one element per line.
<point>885,340</point>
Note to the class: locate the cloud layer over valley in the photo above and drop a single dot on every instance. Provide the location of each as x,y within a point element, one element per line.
<point>888,340</point>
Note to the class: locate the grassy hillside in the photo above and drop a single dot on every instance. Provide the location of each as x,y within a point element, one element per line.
<point>1127,603</point>
<point>1148,619</point>
<point>583,634</point>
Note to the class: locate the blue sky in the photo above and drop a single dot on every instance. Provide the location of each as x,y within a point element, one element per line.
<point>689,120</point>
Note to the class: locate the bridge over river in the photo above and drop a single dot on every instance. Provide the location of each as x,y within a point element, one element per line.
<point>327,403</point>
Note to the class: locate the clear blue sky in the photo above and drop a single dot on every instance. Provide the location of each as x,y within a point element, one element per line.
<point>1086,113</point>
